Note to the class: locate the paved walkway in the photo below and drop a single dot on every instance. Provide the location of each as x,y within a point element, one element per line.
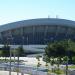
<point>12,73</point>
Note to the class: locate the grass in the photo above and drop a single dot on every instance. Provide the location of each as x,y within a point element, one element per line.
<point>59,71</point>
<point>72,66</point>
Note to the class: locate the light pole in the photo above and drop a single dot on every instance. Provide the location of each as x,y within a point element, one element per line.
<point>10,56</point>
<point>14,50</point>
<point>10,63</point>
<point>67,56</point>
<point>22,47</point>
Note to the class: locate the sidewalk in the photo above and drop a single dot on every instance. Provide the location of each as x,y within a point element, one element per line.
<point>7,73</point>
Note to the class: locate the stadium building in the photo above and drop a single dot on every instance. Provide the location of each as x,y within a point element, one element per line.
<point>34,34</point>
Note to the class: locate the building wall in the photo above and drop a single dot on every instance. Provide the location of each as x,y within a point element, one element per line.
<point>36,34</point>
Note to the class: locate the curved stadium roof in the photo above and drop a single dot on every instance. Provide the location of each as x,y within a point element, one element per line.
<point>40,21</point>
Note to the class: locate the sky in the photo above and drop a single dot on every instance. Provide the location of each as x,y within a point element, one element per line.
<point>17,10</point>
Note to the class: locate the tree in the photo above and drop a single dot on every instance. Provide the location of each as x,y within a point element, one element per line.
<point>5,51</point>
<point>73,59</point>
<point>19,52</point>
<point>58,62</point>
<point>38,61</point>
<point>0,53</point>
<point>65,59</point>
<point>60,49</point>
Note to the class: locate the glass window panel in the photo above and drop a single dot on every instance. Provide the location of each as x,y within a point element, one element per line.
<point>39,28</point>
<point>16,31</point>
<point>62,29</point>
<point>51,29</point>
<point>28,29</point>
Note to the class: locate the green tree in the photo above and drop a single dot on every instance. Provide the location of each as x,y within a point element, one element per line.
<point>5,51</point>
<point>59,49</point>
<point>0,53</point>
<point>73,59</point>
<point>58,62</point>
<point>65,59</point>
<point>47,60</point>
<point>19,52</point>
<point>38,61</point>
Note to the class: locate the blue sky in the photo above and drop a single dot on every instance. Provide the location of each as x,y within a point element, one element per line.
<point>16,10</point>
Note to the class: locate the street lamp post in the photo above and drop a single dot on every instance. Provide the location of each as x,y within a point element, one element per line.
<point>67,57</point>
<point>14,50</point>
<point>22,47</point>
<point>11,38</point>
<point>10,56</point>
<point>10,63</point>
